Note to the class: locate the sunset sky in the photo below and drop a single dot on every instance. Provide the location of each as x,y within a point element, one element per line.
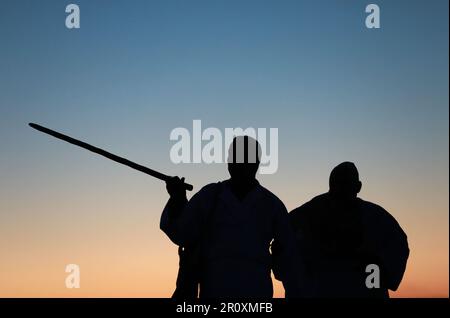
<point>135,70</point>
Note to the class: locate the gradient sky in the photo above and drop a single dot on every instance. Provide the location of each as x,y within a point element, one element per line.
<point>137,69</point>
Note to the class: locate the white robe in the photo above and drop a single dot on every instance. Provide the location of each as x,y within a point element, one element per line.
<point>237,259</point>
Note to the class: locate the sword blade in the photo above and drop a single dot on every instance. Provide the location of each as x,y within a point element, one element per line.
<point>105,154</point>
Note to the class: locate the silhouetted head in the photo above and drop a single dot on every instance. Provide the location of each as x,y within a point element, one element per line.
<point>344,181</point>
<point>243,159</point>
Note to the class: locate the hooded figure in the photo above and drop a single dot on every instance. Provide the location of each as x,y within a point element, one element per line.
<point>232,223</point>
<point>349,247</point>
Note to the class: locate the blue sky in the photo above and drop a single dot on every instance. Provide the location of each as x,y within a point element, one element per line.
<point>137,69</point>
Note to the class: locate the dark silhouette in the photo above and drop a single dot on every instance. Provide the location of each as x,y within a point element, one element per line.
<point>339,235</point>
<point>225,230</point>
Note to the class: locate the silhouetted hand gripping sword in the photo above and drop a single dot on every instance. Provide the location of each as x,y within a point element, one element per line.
<point>106,154</point>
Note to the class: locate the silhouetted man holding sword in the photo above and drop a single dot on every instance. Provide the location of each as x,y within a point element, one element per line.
<point>225,230</point>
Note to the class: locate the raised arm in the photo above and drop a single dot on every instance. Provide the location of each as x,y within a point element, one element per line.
<point>181,219</point>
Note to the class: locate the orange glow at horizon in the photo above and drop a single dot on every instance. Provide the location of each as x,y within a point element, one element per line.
<point>123,257</point>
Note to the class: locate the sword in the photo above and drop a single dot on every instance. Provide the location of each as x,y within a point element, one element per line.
<point>106,154</point>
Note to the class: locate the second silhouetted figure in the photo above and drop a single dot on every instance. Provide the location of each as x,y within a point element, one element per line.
<point>343,239</point>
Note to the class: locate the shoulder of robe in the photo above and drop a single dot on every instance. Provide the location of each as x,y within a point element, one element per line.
<point>205,195</point>
<point>208,190</point>
<point>271,199</point>
<point>378,215</point>
<point>304,211</point>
